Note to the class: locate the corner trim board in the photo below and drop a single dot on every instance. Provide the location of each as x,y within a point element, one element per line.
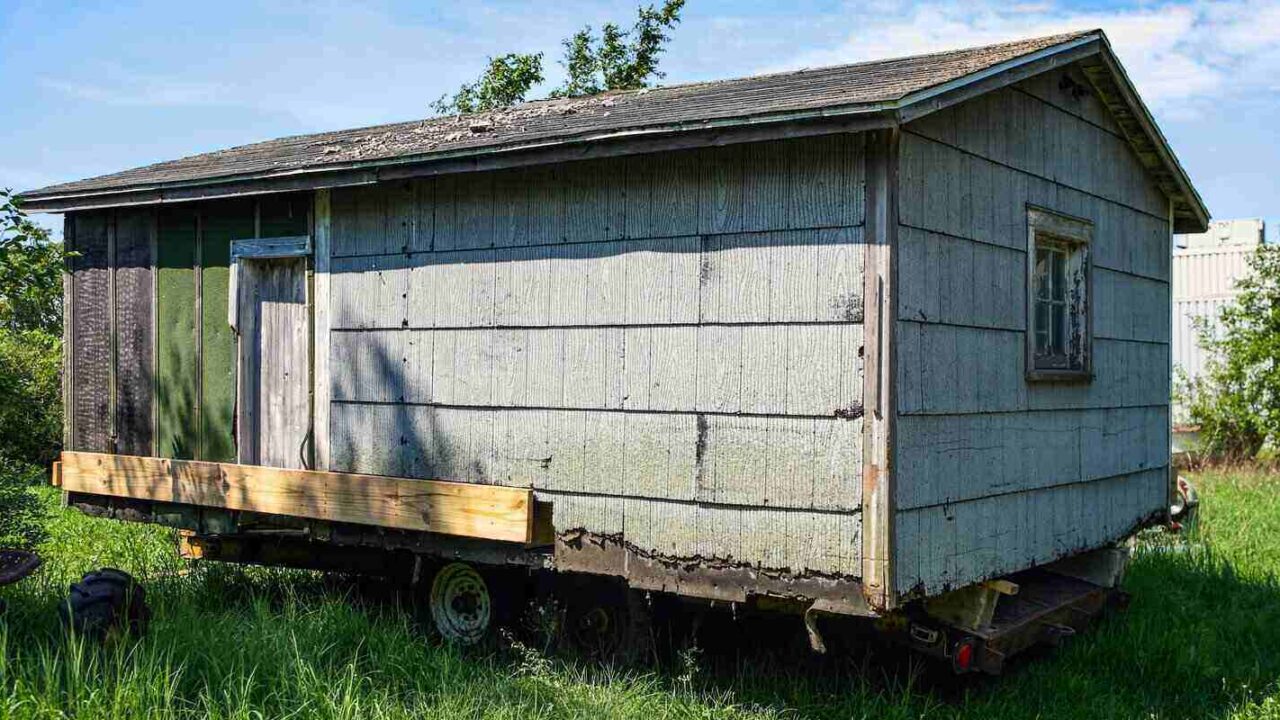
<point>878,378</point>
<point>113,337</point>
<point>68,332</point>
<point>320,330</point>
<point>153,240</point>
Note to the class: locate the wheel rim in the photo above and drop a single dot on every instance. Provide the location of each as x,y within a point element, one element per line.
<point>460,604</point>
<point>596,630</point>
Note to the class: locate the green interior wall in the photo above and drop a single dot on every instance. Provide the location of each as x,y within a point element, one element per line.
<point>220,224</point>
<point>177,366</point>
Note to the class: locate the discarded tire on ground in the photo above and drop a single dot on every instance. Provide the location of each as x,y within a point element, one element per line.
<point>461,606</point>
<point>106,601</point>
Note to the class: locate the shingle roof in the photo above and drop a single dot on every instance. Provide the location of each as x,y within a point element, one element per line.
<point>849,88</point>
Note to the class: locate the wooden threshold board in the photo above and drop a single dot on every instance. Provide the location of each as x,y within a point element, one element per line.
<point>479,511</point>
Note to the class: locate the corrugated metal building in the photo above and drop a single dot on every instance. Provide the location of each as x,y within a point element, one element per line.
<point>1206,267</point>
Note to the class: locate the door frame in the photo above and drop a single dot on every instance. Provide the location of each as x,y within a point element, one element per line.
<point>258,249</point>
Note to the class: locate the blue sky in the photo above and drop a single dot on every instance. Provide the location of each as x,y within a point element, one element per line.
<point>94,87</point>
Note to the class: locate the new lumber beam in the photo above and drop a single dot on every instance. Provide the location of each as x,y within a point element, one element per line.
<point>479,511</point>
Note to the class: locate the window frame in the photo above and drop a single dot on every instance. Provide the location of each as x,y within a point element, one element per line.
<point>1054,229</point>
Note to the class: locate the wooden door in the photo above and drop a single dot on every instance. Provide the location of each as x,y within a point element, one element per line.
<point>274,403</point>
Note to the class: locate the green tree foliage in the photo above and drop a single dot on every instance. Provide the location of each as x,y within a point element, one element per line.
<point>30,366</point>
<point>505,82</point>
<point>1236,401</point>
<point>30,272</point>
<point>616,60</point>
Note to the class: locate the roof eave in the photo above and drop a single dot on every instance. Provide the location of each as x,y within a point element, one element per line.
<point>720,131</point>
<point>1190,214</point>
<point>1189,211</point>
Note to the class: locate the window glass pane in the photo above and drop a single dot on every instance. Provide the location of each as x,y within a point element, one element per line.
<point>1058,275</point>
<point>1042,273</point>
<point>1042,328</point>
<point>1058,341</point>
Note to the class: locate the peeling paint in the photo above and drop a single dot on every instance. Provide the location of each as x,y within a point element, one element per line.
<point>700,446</point>
<point>581,550</point>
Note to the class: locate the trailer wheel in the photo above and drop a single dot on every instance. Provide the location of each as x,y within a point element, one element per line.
<point>461,606</point>
<point>610,626</point>
<point>104,602</point>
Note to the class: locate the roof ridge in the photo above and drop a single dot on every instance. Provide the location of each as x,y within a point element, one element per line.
<point>1060,37</point>
<point>384,127</point>
<point>804,90</point>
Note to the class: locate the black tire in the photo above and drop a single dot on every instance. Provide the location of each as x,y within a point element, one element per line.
<point>610,624</point>
<point>105,602</point>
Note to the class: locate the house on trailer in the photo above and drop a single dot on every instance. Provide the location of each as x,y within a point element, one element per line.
<point>851,336</point>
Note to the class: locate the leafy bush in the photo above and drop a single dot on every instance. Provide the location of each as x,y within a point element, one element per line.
<point>22,512</point>
<point>30,368</point>
<point>30,396</point>
<point>1236,400</point>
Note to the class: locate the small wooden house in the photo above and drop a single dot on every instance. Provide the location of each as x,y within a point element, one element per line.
<point>851,336</point>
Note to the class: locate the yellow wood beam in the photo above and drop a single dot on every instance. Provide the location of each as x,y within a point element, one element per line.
<point>480,511</point>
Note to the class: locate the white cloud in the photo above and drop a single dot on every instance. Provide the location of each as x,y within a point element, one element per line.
<point>324,64</point>
<point>1182,55</point>
<point>142,91</point>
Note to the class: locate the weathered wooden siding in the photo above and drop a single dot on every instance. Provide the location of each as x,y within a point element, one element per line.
<point>995,473</point>
<point>148,312</point>
<point>668,347</point>
<point>89,413</point>
<point>110,334</point>
<point>133,329</point>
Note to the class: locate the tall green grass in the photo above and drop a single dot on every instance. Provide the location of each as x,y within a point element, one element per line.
<point>1201,639</point>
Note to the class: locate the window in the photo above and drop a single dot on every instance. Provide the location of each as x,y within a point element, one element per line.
<point>1058,332</point>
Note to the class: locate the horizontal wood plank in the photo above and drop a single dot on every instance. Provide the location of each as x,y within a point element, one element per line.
<point>943,547</point>
<point>947,191</point>
<point>955,370</point>
<point>774,462</point>
<point>1063,148</point>
<point>799,370</point>
<point>956,458</point>
<point>778,277</point>
<point>479,511</point>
